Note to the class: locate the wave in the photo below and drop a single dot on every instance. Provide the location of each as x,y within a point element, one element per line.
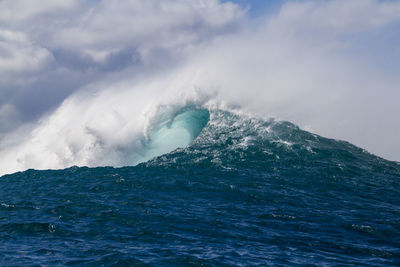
<point>189,133</point>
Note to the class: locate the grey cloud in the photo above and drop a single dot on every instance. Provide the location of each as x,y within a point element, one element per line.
<point>80,61</point>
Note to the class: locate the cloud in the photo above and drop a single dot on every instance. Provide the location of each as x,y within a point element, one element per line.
<point>20,55</point>
<point>100,28</point>
<point>144,27</point>
<point>332,18</point>
<point>19,11</point>
<point>21,62</point>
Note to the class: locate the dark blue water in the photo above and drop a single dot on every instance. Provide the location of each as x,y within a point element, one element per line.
<point>245,192</point>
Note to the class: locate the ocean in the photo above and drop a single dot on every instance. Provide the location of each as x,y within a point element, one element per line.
<point>244,192</point>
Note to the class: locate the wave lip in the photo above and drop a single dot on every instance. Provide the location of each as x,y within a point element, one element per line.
<point>168,133</point>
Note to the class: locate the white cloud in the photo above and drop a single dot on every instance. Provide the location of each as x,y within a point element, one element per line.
<point>145,25</point>
<point>18,54</point>
<point>335,17</point>
<point>14,11</point>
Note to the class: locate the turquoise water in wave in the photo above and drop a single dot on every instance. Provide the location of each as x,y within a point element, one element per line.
<point>244,192</point>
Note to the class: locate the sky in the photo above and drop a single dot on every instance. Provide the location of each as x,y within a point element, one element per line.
<point>258,8</point>
<point>331,67</point>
